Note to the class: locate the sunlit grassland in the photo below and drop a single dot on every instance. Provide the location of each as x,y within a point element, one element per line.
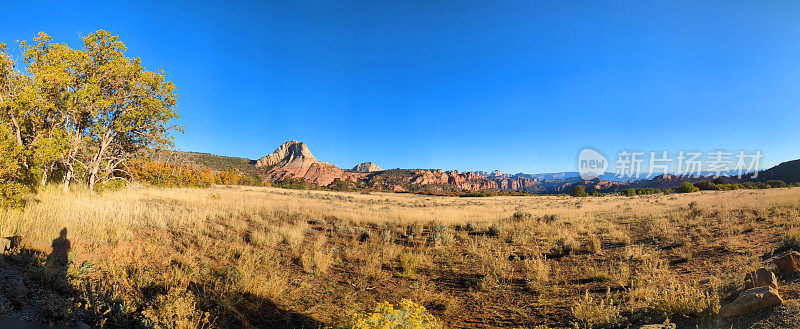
<point>229,251</point>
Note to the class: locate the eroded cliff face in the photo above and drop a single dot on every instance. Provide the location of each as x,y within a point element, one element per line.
<point>292,154</point>
<point>293,159</point>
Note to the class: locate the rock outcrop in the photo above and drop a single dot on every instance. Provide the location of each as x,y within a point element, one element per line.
<point>788,264</point>
<point>293,159</point>
<point>367,167</point>
<point>751,300</point>
<point>292,154</point>
<point>760,278</point>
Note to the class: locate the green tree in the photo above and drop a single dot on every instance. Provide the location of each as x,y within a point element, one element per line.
<point>11,172</point>
<point>579,191</point>
<point>776,183</point>
<point>50,100</point>
<point>686,187</point>
<point>105,105</point>
<point>131,107</point>
<point>29,122</point>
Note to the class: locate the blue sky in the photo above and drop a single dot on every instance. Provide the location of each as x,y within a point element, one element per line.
<point>467,85</point>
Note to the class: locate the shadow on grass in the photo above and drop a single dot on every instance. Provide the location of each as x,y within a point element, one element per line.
<point>38,290</point>
<point>245,310</point>
<point>34,287</point>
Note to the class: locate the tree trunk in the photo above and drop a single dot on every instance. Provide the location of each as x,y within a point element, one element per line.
<point>43,181</point>
<point>98,158</point>
<point>93,177</point>
<point>67,179</point>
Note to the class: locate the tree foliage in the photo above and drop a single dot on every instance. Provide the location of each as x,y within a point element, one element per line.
<point>686,187</point>
<point>579,191</point>
<point>78,114</point>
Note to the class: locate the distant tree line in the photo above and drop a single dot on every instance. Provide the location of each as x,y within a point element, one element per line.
<point>171,174</point>
<point>717,184</point>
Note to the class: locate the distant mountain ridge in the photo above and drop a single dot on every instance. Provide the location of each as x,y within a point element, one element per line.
<point>294,160</point>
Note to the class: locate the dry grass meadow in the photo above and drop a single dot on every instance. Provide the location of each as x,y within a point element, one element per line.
<point>265,257</point>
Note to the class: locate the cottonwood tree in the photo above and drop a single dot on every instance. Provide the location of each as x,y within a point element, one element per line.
<point>39,106</point>
<point>83,112</point>
<point>128,107</point>
<point>11,151</point>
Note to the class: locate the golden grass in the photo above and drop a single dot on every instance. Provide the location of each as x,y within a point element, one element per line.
<point>115,215</point>
<point>231,251</point>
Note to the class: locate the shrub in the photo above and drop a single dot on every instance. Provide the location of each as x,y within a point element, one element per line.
<point>55,308</point>
<point>591,313</point>
<point>176,309</point>
<point>387,236</point>
<point>641,191</point>
<point>657,289</point>
<point>406,315</point>
<point>408,263</point>
<point>566,245</point>
<point>548,218</point>
<point>776,183</point>
<point>537,272</point>
<point>707,186</point>
<point>318,260</point>
<point>594,245</point>
<point>167,174</point>
<point>579,191</point>
<point>440,235</point>
<point>110,185</point>
<point>364,235</point>
<point>292,183</point>
<point>695,210</point>
<point>494,230</point>
<point>792,239</point>
<point>520,215</point>
<point>413,230</point>
<point>686,187</point>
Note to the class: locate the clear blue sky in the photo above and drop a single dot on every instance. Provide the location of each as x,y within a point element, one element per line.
<point>467,85</point>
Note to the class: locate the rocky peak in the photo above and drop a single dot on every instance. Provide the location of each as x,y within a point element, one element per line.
<point>289,155</point>
<point>367,167</point>
<point>498,173</point>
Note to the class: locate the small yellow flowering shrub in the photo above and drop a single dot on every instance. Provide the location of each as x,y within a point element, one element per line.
<point>405,315</point>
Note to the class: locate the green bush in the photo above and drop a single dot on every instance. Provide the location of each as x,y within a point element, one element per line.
<point>292,183</point>
<point>579,191</point>
<point>641,191</point>
<point>776,183</point>
<point>706,186</point>
<point>686,187</point>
